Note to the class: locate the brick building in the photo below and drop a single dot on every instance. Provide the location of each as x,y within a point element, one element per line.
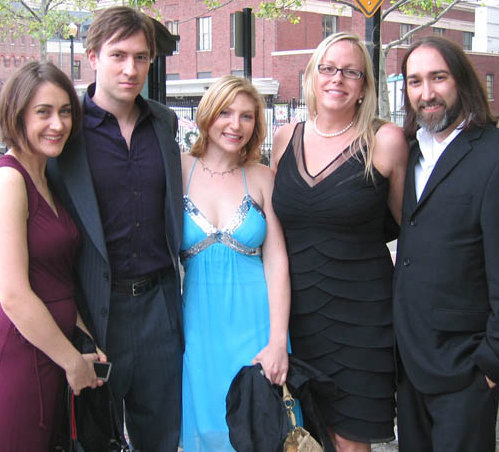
<point>206,47</point>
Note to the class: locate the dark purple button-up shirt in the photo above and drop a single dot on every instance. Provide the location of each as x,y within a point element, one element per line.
<point>130,188</point>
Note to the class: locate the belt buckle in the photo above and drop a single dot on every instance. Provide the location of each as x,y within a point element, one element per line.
<point>138,286</point>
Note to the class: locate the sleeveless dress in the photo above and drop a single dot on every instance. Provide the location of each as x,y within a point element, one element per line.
<point>341,281</point>
<point>31,384</point>
<point>226,315</point>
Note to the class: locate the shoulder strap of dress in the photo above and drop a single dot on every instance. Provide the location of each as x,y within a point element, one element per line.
<point>244,180</point>
<point>298,132</point>
<point>190,176</point>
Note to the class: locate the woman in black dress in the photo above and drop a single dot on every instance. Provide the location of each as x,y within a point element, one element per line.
<point>338,174</point>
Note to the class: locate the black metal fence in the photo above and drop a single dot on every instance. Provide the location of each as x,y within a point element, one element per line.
<point>277,113</point>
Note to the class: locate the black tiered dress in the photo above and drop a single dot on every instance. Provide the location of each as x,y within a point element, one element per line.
<point>341,278</point>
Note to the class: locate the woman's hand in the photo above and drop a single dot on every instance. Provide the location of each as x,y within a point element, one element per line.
<point>102,356</point>
<point>274,361</point>
<point>81,373</point>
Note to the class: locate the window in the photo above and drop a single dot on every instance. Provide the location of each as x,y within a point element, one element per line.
<point>329,25</point>
<point>173,76</point>
<point>406,28</point>
<point>204,74</point>
<point>490,87</point>
<point>467,40</point>
<point>438,31</point>
<point>232,30</point>
<point>237,73</point>
<point>302,78</point>
<point>204,33</point>
<point>172,27</point>
<point>77,69</point>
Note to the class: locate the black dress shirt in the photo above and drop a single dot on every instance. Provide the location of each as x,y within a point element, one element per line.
<point>130,189</point>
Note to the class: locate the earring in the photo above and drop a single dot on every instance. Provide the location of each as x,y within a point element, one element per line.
<point>360,100</point>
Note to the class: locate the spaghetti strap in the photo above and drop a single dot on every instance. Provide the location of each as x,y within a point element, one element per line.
<point>190,176</point>
<point>244,180</point>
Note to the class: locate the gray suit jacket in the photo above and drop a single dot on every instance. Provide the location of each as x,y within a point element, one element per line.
<point>446,287</point>
<point>71,179</point>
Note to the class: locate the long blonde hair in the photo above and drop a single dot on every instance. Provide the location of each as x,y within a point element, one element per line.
<point>218,97</point>
<point>365,113</point>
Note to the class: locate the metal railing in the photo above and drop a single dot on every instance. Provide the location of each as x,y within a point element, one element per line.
<point>277,113</point>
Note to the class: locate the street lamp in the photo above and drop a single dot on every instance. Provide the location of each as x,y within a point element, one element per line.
<point>73,29</point>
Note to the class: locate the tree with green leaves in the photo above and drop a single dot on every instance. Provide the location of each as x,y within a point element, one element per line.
<point>42,19</point>
<point>430,11</point>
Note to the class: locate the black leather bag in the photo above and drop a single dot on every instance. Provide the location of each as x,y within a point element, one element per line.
<point>91,421</point>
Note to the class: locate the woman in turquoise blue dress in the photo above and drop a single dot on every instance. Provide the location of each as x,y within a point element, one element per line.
<point>236,286</point>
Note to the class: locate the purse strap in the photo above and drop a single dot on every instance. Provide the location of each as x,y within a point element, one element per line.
<point>289,404</point>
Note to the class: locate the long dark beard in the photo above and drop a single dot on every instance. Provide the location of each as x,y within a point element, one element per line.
<point>438,124</point>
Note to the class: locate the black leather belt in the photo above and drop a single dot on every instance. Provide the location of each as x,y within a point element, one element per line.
<point>139,286</point>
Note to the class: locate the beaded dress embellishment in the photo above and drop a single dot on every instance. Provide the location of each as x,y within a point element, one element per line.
<point>224,236</point>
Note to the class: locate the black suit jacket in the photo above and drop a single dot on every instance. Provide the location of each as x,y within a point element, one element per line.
<point>446,287</point>
<point>71,179</point>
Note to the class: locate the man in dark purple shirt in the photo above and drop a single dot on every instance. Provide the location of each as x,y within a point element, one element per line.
<point>121,180</point>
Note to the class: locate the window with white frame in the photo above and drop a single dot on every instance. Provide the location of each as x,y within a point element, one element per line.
<point>302,92</point>
<point>406,28</point>
<point>329,25</point>
<point>172,27</point>
<point>467,40</point>
<point>232,30</point>
<point>204,33</point>
<point>490,87</point>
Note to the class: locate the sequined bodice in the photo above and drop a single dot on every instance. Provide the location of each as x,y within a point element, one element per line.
<point>244,233</point>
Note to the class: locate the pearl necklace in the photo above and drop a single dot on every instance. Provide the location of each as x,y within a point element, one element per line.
<point>217,173</point>
<point>332,134</point>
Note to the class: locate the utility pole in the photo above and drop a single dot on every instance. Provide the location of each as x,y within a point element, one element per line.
<point>373,41</point>
<point>247,33</point>
<point>245,38</point>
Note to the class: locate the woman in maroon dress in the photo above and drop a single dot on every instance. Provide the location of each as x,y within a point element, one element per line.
<point>38,243</point>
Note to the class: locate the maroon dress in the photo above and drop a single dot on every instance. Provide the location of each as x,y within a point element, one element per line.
<point>31,384</point>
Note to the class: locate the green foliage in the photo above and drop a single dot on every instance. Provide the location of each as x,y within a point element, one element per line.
<point>278,10</point>
<point>147,7</point>
<point>420,7</point>
<point>41,19</point>
<point>142,4</point>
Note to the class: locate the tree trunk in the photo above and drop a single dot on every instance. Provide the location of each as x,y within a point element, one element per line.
<point>383,99</point>
<point>43,49</point>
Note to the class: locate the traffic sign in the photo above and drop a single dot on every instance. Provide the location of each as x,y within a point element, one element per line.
<point>368,7</point>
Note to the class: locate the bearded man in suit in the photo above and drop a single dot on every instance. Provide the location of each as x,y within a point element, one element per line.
<point>446,288</point>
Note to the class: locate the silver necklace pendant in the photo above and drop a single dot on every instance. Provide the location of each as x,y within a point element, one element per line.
<point>332,134</point>
<point>217,173</point>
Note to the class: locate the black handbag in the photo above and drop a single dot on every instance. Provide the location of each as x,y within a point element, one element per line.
<point>91,420</point>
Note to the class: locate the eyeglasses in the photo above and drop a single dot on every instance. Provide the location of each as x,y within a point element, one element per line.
<point>354,74</point>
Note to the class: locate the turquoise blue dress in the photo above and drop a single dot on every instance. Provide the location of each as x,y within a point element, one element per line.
<point>226,315</point>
